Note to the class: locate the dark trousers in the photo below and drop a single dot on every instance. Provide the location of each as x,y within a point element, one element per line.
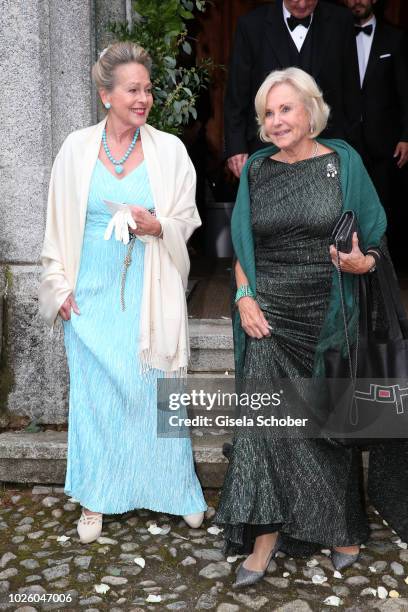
<point>391,184</point>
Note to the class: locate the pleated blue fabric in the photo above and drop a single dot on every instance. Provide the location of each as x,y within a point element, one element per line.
<point>116,462</point>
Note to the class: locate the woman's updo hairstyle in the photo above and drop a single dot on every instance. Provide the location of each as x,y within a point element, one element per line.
<point>103,71</point>
<point>308,91</point>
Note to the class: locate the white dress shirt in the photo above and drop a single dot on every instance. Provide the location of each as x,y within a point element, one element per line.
<point>364,42</point>
<point>299,34</point>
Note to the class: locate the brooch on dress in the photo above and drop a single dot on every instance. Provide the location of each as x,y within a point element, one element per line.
<point>331,170</point>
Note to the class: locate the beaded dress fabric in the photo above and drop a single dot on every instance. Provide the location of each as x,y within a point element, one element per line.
<point>308,489</point>
<point>116,462</point>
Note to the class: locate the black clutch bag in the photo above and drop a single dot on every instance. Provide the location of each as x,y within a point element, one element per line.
<point>342,235</point>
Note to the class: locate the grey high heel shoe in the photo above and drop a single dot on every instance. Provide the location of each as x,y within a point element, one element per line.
<point>342,560</point>
<point>246,577</point>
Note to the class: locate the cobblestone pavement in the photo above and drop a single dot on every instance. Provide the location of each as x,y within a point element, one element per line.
<point>149,561</point>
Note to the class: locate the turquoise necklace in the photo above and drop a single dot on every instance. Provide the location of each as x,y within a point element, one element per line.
<point>118,163</point>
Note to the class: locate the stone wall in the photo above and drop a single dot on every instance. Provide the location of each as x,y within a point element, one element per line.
<point>47,48</point>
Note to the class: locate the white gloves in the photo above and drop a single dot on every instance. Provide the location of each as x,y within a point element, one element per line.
<point>120,221</point>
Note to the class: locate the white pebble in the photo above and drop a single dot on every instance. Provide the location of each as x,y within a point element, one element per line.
<point>369,591</point>
<point>382,593</point>
<point>337,574</point>
<point>140,561</point>
<point>317,579</point>
<point>154,599</point>
<point>102,588</point>
<point>312,563</point>
<point>155,530</point>
<point>63,538</point>
<point>333,600</point>
<point>214,530</point>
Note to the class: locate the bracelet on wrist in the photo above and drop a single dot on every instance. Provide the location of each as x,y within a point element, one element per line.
<point>374,266</point>
<point>244,291</point>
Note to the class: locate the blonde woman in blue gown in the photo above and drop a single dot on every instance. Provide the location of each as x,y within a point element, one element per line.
<point>125,326</point>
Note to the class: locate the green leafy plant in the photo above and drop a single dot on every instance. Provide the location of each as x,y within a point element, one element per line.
<point>160,27</point>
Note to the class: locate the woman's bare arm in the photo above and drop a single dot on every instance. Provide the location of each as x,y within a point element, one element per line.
<point>252,318</point>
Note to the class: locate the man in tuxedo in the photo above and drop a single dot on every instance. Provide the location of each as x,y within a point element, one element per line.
<point>383,66</point>
<point>312,35</point>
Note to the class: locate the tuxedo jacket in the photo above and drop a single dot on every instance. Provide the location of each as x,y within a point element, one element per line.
<point>385,93</point>
<point>263,43</point>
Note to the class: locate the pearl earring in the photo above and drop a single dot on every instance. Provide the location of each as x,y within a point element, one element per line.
<point>107,105</point>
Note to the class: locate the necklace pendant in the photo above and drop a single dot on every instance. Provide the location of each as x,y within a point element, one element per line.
<point>118,169</point>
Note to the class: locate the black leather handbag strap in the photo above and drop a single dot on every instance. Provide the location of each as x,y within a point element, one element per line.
<point>352,369</point>
<point>394,308</point>
<point>353,410</point>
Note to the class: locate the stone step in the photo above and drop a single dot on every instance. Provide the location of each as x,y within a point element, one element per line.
<point>41,457</point>
<point>211,345</point>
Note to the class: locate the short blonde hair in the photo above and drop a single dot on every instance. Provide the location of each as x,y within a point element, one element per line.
<point>103,71</point>
<point>308,91</point>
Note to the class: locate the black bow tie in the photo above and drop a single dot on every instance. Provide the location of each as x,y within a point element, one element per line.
<point>368,29</point>
<point>293,22</point>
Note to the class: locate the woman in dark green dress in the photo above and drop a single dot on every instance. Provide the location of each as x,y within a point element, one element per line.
<point>296,495</point>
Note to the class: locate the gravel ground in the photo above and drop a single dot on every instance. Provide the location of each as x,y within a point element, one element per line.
<point>135,566</point>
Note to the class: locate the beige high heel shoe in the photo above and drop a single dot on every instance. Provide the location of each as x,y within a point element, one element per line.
<point>194,520</point>
<point>89,527</point>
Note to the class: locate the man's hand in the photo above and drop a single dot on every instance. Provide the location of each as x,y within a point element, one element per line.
<point>252,318</point>
<point>65,310</point>
<point>236,163</point>
<point>401,152</point>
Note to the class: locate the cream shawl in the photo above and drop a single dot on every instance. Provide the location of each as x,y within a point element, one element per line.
<point>163,321</point>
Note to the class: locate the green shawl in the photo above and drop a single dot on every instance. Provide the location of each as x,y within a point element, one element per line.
<point>360,196</point>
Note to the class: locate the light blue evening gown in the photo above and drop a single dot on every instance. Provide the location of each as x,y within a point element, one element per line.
<point>116,462</point>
